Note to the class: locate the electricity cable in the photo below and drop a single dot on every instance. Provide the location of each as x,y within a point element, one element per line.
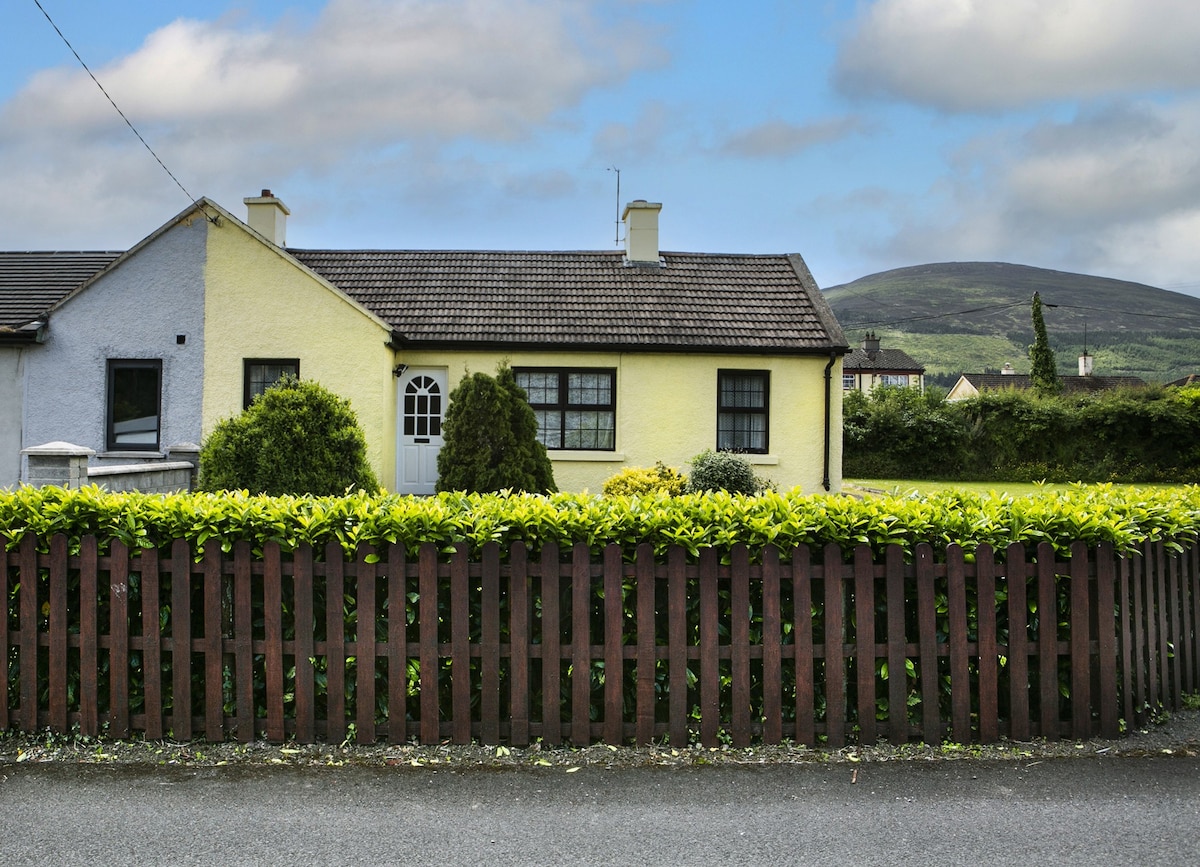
<point>113,103</point>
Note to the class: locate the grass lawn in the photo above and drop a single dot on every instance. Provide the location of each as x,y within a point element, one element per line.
<point>903,487</point>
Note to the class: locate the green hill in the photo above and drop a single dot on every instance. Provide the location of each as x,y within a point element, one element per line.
<point>958,317</point>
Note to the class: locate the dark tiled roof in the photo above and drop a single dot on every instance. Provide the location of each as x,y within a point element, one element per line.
<point>896,360</point>
<point>993,381</point>
<point>32,283</point>
<point>586,299</point>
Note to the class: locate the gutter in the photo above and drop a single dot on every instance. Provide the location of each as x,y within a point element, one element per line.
<point>833,356</point>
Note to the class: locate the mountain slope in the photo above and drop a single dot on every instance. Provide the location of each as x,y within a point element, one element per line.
<point>957,317</point>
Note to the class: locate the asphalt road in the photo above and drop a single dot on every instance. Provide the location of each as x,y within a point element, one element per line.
<point>1067,811</point>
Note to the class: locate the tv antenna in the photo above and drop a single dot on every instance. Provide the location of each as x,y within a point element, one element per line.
<point>617,222</point>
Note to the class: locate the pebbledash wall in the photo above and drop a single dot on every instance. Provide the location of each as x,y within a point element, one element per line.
<point>150,305</point>
<point>12,370</point>
<point>678,391</point>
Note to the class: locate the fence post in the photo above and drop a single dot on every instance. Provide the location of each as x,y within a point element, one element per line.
<point>1081,621</point>
<point>1106,640</point>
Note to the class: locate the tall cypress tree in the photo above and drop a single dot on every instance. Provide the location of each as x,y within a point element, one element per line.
<point>1043,371</point>
<point>490,439</point>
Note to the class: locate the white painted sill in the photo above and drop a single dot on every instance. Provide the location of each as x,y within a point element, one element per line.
<point>585,456</point>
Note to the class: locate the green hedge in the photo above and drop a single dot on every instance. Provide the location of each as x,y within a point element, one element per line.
<point>1092,514</point>
<point>1130,435</point>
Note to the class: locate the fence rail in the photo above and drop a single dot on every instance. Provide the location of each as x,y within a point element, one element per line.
<point>565,646</point>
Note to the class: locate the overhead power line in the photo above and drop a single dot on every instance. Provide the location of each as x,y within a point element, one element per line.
<point>887,323</point>
<point>116,107</point>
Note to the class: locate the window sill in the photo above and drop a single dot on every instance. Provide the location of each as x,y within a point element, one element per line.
<point>762,460</point>
<point>148,454</point>
<point>573,455</point>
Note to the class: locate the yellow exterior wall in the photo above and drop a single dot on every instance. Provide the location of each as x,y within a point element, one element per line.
<point>260,304</point>
<point>667,411</point>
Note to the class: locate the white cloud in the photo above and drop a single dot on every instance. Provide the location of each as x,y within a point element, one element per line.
<point>782,139</point>
<point>980,55</point>
<point>370,81</point>
<point>1114,192</point>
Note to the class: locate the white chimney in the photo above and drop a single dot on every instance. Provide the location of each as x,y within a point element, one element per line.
<point>1007,369</point>
<point>267,215</point>
<point>1085,365</point>
<point>641,231</point>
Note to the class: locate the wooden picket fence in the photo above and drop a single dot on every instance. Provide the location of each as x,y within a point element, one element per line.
<point>623,647</point>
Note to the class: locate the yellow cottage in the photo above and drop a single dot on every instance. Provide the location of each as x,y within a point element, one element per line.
<point>628,357</point>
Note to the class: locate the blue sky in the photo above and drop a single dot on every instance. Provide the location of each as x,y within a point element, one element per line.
<point>863,134</point>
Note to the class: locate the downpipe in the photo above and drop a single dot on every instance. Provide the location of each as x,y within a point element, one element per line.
<point>828,415</point>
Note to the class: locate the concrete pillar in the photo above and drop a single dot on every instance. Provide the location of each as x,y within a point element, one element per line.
<point>57,464</point>
<point>189,452</point>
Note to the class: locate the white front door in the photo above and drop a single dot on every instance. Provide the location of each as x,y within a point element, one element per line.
<point>421,405</point>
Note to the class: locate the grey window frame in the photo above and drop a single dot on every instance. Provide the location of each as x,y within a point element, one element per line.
<point>113,367</point>
<point>563,406</point>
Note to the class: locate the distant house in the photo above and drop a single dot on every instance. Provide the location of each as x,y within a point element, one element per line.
<point>1190,381</point>
<point>870,366</point>
<point>971,384</point>
<point>628,356</point>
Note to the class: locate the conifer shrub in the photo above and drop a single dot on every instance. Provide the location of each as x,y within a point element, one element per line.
<point>295,438</point>
<point>490,439</point>
<point>646,480</point>
<point>723,471</point>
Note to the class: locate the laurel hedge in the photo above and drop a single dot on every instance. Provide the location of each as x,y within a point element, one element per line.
<point>1089,513</point>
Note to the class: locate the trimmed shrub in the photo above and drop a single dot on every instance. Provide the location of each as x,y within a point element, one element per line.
<point>490,439</point>
<point>723,471</point>
<point>901,430</point>
<point>295,438</point>
<point>646,480</point>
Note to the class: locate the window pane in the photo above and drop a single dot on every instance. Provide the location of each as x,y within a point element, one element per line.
<point>134,406</point>
<point>743,390</point>
<point>848,380</point>
<point>589,389</point>
<point>741,431</point>
<point>588,430</point>
<point>541,387</point>
<point>549,428</point>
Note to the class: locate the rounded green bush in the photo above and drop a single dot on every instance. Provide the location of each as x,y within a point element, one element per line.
<point>295,438</point>
<point>723,471</point>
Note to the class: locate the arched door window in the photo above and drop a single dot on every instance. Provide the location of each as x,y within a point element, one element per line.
<point>422,408</point>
